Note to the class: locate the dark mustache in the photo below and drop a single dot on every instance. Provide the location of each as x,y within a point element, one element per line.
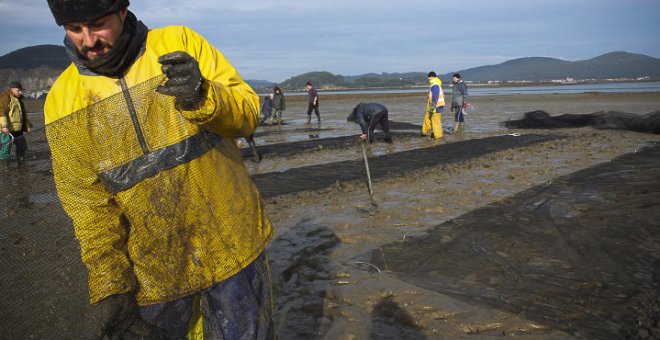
<point>99,45</point>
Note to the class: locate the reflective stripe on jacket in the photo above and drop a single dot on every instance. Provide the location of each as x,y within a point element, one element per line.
<point>160,199</point>
<point>437,99</point>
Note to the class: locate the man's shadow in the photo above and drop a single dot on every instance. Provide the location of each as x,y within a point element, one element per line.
<point>390,321</point>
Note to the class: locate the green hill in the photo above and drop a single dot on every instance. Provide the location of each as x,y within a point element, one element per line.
<point>48,56</point>
<point>614,65</point>
<point>607,66</point>
<point>318,79</point>
<point>38,66</point>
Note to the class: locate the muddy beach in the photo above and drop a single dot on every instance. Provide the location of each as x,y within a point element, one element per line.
<point>527,233</point>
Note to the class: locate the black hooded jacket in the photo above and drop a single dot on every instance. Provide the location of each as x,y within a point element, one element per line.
<point>363,113</point>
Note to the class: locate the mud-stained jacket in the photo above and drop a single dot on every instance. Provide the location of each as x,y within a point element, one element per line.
<point>160,199</point>
<point>13,115</point>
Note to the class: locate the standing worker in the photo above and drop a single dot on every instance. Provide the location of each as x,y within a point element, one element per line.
<point>368,116</point>
<point>459,102</point>
<point>14,120</point>
<point>141,128</point>
<point>313,99</point>
<point>434,107</point>
<point>279,105</point>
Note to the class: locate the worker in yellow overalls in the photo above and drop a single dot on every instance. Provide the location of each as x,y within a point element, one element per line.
<point>434,108</point>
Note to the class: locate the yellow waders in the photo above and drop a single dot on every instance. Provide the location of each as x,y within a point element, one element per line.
<point>434,123</point>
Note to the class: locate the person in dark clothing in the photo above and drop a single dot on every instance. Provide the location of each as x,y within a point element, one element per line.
<point>267,107</point>
<point>368,116</point>
<point>279,105</point>
<point>313,103</point>
<point>459,102</point>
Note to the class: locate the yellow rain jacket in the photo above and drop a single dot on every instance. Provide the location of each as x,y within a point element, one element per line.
<point>160,199</point>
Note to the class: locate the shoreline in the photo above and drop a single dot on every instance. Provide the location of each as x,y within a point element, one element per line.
<point>35,106</point>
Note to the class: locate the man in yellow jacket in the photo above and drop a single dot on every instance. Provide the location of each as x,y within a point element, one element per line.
<point>434,107</point>
<point>171,227</point>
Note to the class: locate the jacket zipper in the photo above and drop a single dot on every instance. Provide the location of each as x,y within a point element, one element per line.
<point>134,118</point>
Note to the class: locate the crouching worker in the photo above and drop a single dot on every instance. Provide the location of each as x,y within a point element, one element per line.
<point>368,116</point>
<point>141,128</point>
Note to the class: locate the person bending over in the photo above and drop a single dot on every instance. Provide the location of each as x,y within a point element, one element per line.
<point>368,116</point>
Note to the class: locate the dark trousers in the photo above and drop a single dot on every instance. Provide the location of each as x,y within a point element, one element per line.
<point>381,118</point>
<point>458,113</point>
<point>315,108</point>
<point>237,308</point>
<point>20,142</point>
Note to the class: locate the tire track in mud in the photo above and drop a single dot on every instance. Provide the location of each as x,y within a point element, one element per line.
<point>317,177</point>
<point>579,254</point>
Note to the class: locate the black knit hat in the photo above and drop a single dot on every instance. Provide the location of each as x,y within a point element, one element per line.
<point>432,74</point>
<point>67,11</point>
<point>16,85</point>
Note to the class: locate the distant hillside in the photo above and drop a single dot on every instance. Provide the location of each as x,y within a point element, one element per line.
<point>260,85</point>
<point>321,79</point>
<point>607,66</point>
<point>387,76</point>
<point>369,80</point>
<point>38,66</point>
<point>47,56</point>
<point>615,65</point>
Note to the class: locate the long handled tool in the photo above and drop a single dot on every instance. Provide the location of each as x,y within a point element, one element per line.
<point>366,165</point>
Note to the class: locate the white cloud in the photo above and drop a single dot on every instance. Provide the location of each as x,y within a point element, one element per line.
<point>273,40</point>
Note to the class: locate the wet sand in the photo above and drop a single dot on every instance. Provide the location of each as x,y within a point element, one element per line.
<point>324,280</point>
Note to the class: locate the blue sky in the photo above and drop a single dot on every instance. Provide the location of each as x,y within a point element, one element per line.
<point>274,40</point>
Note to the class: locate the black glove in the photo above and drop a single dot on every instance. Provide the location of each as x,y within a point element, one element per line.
<point>184,79</point>
<point>121,319</point>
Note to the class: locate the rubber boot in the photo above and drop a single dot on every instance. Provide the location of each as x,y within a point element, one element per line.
<point>309,119</point>
<point>461,127</point>
<point>456,127</point>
